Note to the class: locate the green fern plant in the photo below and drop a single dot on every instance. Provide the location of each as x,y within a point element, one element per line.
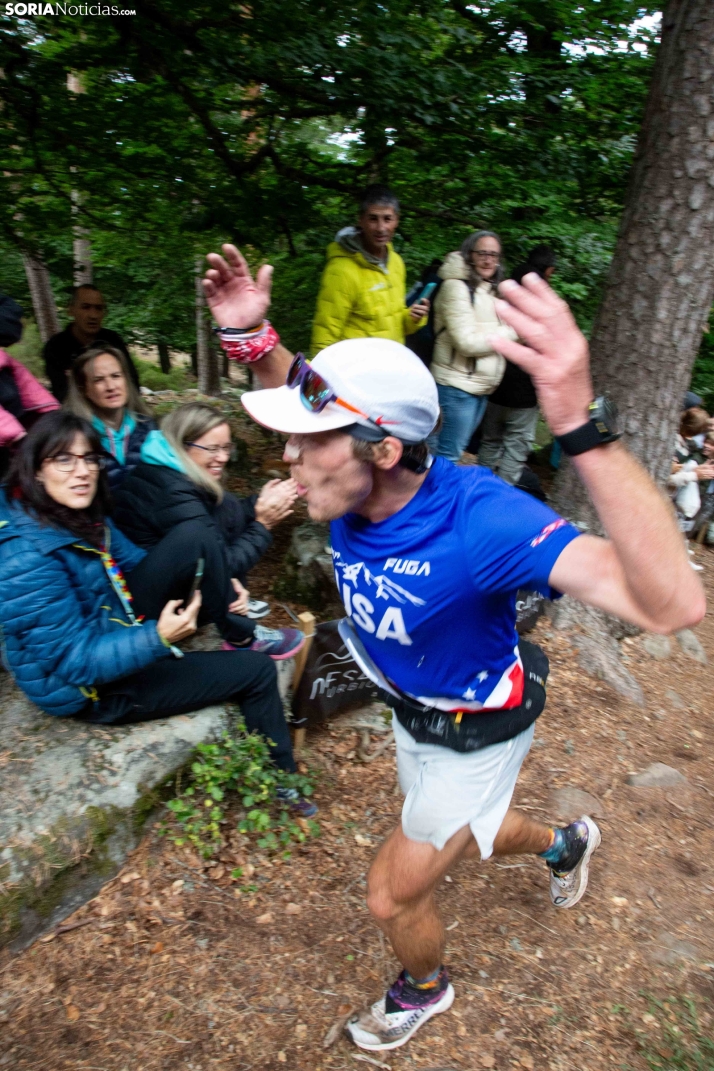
<point>237,769</point>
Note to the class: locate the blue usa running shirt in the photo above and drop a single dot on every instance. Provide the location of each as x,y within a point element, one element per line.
<point>432,589</point>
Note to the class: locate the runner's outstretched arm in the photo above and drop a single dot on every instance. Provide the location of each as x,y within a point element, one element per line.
<point>640,572</point>
<point>237,300</point>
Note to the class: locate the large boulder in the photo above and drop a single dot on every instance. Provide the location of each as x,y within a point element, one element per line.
<point>74,800</point>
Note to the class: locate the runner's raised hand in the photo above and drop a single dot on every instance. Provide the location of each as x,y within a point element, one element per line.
<point>234,297</point>
<point>552,350</point>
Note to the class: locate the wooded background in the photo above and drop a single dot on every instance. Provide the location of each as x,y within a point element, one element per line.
<point>159,136</point>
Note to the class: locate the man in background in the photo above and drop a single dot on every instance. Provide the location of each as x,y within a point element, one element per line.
<point>87,309</point>
<point>363,287</point>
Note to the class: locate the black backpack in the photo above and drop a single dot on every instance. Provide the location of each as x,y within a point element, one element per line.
<point>422,341</point>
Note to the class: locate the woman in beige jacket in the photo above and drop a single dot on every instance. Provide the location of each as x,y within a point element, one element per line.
<point>464,365</point>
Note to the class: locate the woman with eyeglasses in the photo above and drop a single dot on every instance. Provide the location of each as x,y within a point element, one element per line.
<point>176,488</point>
<point>88,630</point>
<point>102,390</point>
<point>464,365</point>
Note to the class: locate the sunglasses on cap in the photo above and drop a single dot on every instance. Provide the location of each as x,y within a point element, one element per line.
<point>316,392</point>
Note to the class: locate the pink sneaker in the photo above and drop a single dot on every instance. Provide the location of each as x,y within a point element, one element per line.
<point>279,643</point>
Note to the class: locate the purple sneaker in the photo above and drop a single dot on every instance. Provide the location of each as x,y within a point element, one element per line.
<point>279,643</point>
<point>297,804</point>
<point>391,1021</point>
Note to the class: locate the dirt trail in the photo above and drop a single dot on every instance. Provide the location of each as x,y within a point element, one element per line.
<point>174,970</point>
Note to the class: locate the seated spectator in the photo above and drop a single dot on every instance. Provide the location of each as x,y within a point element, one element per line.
<point>22,397</point>
<point>88,632</point>
<point>87,309</point>
<point>176,488</point>
<point>689,470</point>
<point>102,391</point>
<point>693,428</point>
<point>701,529</point>
<point>509,426</point>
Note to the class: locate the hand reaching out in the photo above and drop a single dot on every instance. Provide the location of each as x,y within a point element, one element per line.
<point>239,605</point>
<point>234,297</point>
<point>275,502</point>
<point>552,350</point>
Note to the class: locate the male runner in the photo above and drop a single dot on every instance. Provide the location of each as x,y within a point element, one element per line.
<point>428,558</point>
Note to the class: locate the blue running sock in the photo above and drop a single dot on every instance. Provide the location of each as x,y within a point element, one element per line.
<point>424,983</point>
<point>568,847</point>
<point>557,850</point>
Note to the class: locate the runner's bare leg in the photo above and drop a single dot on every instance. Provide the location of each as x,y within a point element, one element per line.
<point>404,877</point>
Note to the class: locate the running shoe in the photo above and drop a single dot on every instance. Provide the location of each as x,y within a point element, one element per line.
<point>297,804</point>
<point>279,643</point>
<point>569,882</point>
<point>257,609</point>
<point>391,1021</point>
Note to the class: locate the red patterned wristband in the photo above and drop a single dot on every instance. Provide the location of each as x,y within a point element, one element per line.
<point>246,345</point>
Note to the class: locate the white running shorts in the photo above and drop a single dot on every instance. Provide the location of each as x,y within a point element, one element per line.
<point>446,790</point>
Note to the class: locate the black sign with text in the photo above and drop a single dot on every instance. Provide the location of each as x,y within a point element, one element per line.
<point>332,680</point>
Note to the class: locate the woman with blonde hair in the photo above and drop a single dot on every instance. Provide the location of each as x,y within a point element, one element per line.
<point>102,391</point>
<point>465,366</point>
<point>176,488</point>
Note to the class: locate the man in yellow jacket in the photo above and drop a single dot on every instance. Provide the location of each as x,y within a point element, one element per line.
<point>363,287</point>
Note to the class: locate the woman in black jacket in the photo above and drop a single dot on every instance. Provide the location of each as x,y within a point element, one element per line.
<point>509,426</point>
<point>176,488</point>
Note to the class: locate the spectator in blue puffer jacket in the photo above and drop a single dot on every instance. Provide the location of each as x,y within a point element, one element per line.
<point>79,634</point>
<point>102,390</point>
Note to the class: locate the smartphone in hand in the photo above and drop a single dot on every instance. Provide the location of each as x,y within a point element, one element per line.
<point>198,577</point>
<point>426,292</point>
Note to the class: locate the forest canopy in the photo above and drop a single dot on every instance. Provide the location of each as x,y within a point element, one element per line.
<point>191,123</point>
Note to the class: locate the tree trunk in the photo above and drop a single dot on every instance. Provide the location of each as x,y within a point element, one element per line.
<point>82,250</point>
<point>81,246</point>
<point>206,363</point>
<point>661,281</point>
<point>658,294</point>
<point>164,357</point>
<point>43,300</point>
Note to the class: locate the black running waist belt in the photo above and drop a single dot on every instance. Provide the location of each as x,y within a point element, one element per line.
<point>478,729</point>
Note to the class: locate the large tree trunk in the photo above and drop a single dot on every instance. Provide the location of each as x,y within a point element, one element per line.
<point>43,300</point>
<point>661,282</point>
<point>206,362</point>
<point>658,293</point>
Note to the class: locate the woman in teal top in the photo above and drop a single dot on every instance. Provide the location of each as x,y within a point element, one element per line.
<point>102,391</point>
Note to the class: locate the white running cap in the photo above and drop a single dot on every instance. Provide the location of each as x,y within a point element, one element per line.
<point>380,377</point>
